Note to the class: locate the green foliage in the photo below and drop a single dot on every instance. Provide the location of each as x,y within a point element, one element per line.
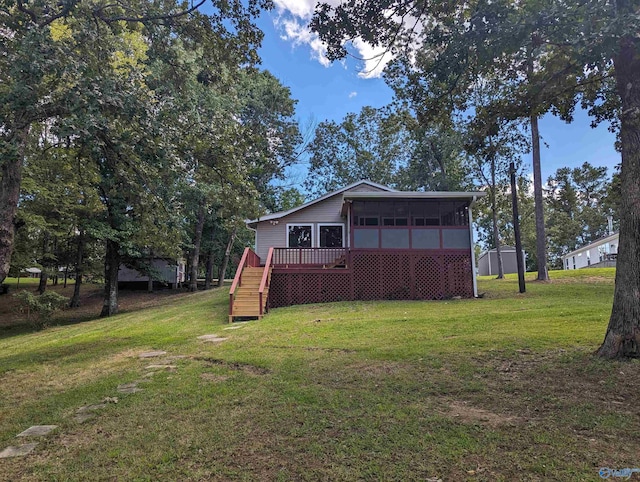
<point>387,146</point>
<point>130,120</point>
<point>370,145</point>
<point>577,211</point>
<point>39,308</point>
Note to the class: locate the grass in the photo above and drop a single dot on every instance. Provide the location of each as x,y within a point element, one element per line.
<point>500,388</point>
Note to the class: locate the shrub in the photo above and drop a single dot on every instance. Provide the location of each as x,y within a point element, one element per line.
<point>40,308</point>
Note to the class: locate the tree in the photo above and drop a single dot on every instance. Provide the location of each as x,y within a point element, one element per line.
<point>387,146</point>
<point>577,214</point>
<point>575,50</point>
<point>437,161</point>
<point>370,145</point>
<point>47,67</point>
<point>493,144</point>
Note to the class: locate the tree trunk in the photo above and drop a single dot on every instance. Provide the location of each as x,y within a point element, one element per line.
<point>622,339</point>
<point>150,280</point>
<point>541,237</point>
<point>42,283</point>
<point>75,299</point>
<point>494,219</point>
<point>195,253</point>
<point>111,268</point>
<point>227,255</point>
<point>209,269</point>
<point>10,180</point>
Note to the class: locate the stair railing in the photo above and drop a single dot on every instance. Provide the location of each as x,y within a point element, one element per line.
<point>249,260</point>
<point>264,283</point>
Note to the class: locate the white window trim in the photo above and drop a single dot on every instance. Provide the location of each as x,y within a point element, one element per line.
<point>344,245</point>
<point>313,244</point>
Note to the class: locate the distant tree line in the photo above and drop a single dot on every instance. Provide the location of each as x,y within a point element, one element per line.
<point>128,133</point>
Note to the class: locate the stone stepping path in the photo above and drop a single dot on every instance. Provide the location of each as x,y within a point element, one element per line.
<point>129,387</point>
<point>152,354</point>
<point>160,367</point>
<point>38,431</point>
<point>212,338</point>
<point>88,412</point>
<point>18,450</point>
<point>26,449</point>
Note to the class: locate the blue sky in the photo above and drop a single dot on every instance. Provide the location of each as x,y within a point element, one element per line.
<point>330,91</point>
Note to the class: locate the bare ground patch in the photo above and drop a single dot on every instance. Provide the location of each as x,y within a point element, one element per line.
<point>214,377</point>
<point>466,413</point>
<point>238,366</point>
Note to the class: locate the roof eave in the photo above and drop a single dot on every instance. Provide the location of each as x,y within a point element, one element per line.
<point>253,222</point>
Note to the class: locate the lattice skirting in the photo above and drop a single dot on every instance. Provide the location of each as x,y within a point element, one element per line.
<point>378,276</point>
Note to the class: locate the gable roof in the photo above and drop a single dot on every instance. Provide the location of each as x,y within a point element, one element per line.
<point>598,242</point>
<point>282,214</point>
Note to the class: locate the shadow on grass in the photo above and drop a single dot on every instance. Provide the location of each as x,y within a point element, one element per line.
<point>72,352</point>
<point>130,301</point>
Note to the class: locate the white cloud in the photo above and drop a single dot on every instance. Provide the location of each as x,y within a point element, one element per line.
<point>293,22</point>
<point>300,34</point>
<point>375,59</point>
<point>352,94</point>
<point>298,8</point>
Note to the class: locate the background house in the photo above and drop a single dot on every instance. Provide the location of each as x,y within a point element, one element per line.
<point>168,272</point>
<point>488,261</point>
<point>601,253</point>
<point>33,272</point>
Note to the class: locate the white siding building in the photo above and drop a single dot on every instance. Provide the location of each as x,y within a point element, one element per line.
<point>602,253</point>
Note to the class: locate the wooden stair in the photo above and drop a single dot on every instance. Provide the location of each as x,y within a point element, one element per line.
<point>246,301</point>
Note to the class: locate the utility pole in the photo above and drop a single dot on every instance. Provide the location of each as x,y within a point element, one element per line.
<point>516,228</point>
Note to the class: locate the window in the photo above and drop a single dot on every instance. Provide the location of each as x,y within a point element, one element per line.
<point>394,213</point>
<point>299,235</point>
<point>425,213</point>
<point>454,214</point>
<point>331,235</point>
<point>366,213</point>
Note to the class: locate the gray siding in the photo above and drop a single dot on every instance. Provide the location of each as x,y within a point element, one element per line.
<point>509,263</point>
<point>169,273</point>
<point>365,188</point>
<point>326,211</point>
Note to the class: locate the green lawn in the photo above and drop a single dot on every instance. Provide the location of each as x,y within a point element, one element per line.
<point>500,388</point>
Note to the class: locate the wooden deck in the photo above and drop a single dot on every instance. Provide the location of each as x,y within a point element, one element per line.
<point>291,278</point>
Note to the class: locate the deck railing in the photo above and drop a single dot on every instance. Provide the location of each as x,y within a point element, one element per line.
<point>309,257</point>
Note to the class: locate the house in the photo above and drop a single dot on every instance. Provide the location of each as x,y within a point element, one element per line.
<point>167,272</point>
<point>488,261</point>
<point>33,272</point>
<point>601,253</point>
<point>362,242</point>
